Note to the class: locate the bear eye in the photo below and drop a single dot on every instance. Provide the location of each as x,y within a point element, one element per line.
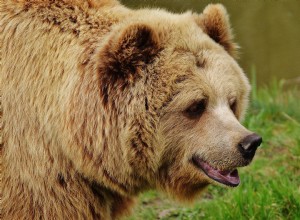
<point>233,105</point>
<point>196,109</point>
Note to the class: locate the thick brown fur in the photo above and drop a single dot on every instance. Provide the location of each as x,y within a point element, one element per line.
<point>94,97</point>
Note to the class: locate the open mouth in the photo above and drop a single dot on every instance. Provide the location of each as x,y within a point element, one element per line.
<point>226,177</point>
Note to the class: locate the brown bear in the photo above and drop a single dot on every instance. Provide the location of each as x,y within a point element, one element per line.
<point>101,102</point>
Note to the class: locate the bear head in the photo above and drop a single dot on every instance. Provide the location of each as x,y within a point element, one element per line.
<point>174,97</point>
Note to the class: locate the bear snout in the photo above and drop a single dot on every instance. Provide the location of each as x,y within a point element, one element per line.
<point>249,144</point>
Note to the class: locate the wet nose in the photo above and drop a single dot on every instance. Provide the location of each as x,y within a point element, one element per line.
<point>249,145</point>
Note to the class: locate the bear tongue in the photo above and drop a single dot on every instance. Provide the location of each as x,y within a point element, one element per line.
<point>230,178</point>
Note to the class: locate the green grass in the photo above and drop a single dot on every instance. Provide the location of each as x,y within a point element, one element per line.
<point>270,186</point>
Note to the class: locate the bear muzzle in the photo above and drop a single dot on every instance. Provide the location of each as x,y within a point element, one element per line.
<point>230,177</point>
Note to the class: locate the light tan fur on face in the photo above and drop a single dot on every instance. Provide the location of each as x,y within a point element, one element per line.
<point>93,96</point>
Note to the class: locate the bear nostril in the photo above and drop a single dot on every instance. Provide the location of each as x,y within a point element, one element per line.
<point>249,145</point>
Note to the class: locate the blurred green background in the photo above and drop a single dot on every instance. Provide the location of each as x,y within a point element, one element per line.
<point>268,32</point>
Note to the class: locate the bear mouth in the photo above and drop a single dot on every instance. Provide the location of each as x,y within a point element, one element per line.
<point>226,177</point>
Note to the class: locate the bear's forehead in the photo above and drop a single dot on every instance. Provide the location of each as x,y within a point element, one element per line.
<point>211,63</point>
<point>208,72</point>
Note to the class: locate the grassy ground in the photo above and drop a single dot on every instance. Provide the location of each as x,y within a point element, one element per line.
<point>270,186</point>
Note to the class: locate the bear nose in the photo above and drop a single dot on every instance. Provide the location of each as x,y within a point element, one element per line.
<point>249,145</point>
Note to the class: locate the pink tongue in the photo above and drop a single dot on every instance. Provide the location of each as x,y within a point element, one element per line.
<point>226,177</point>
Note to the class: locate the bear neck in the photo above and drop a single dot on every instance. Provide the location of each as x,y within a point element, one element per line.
<point>62,121</point>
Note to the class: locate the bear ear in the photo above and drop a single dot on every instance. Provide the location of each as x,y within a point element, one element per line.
<point>128,52</point>
<point>214,21</point>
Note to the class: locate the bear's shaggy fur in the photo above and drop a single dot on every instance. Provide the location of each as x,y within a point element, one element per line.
<point>100,102</point>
